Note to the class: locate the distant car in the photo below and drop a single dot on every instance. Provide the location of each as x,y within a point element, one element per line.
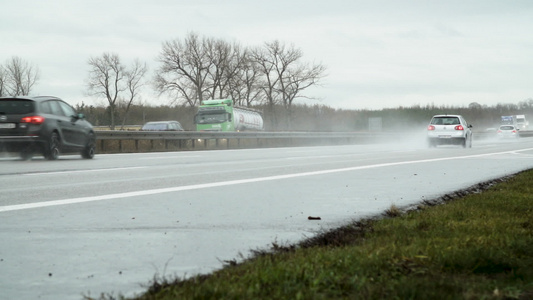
<point>507,131</point>
<point>162,126</point>
<point>45,125</point>
<point>449,130</point>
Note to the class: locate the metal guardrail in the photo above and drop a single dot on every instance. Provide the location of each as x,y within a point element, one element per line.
<point>186,135</point>
<point>113,141</point>
<point>525,133</point>
<point>144,141</point>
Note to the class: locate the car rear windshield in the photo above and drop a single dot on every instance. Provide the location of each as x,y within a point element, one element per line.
<point>507,127</point>
<point>445,121</point>
<point>16,107</point>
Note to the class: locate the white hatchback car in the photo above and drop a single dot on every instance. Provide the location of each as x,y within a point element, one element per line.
<point>508,131</point>
<point>449,130</point>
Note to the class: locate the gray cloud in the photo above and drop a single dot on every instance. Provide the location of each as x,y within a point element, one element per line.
<point>379,53</point>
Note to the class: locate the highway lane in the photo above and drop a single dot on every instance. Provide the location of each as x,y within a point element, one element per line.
<point>74,226</point>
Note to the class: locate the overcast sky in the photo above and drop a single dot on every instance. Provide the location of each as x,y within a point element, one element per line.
<point>378,53</point>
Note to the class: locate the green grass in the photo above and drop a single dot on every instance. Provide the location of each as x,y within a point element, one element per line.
<point>479,246</point>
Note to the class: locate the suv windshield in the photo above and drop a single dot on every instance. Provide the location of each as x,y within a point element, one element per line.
<point>13,107</point>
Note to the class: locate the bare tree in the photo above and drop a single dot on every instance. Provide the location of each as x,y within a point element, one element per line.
<point>135,80</point>
<point>197,68</point>
<point>183,71</point>
<point>106,80</point>
<point>265,62</point>
<point>284,75</point>
<point>227,62</point>
<point>18,77</point>
<point>300,78</point>
<point>218,54</point>
<point>296,81</point>
<point>244,86</point>
<point>110,79</point>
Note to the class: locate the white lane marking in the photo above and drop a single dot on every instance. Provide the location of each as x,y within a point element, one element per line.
<point>81,171</point>
<point>166,157</point>
<point>318,156</point>
<point>232,182</point>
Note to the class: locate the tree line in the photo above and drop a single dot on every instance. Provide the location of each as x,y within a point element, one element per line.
<point>323,118</point>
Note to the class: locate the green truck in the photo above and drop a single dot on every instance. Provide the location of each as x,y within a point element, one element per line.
<point>222,115</point>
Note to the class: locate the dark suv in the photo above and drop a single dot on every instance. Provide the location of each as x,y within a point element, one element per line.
<point>46,125</point>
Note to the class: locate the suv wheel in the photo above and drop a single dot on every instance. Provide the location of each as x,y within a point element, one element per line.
<point>90,148</point>
<point>51,151</point>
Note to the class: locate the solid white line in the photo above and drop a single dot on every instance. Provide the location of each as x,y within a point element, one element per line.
<point>174,156</point>
<point>231,182</point>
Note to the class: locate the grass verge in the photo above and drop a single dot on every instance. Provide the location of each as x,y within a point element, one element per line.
<point>477,246</point>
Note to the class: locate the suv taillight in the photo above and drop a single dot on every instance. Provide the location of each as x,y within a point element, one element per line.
<point>431,127</point>
<point>459,127</point>
<point>35,120</point>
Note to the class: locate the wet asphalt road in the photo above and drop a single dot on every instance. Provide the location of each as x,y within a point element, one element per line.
<point>77,227</point>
